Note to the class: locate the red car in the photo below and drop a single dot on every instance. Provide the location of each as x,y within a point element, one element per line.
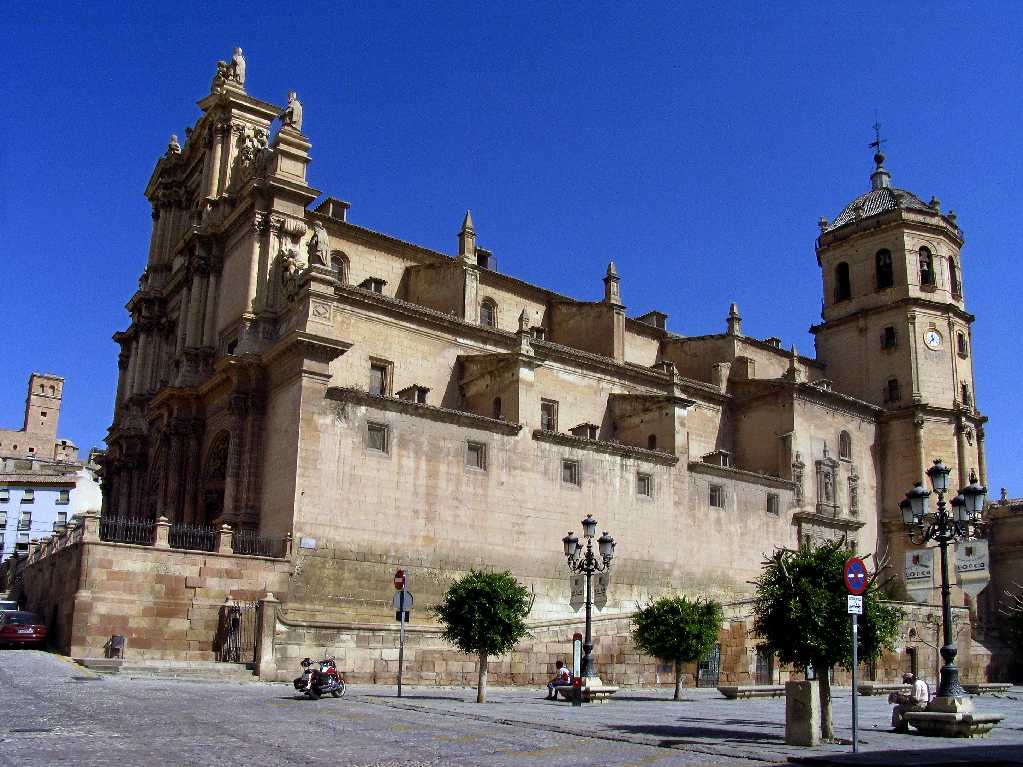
<point>21,628</point>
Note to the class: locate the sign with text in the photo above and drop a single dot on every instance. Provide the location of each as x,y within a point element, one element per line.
<point>972,572</point>
<point>855,604</point>
<point>919,565</point>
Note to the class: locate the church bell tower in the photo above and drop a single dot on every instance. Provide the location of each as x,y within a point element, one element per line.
<point>896,333</point>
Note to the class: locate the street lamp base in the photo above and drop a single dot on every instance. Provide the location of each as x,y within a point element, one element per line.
<point>951,705</point>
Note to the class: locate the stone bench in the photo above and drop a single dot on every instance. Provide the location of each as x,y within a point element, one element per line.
<point>986,687</point>
<point>734,692</point>
<point>599,692</point>
<point>883,688</point>
<point>941,724</point>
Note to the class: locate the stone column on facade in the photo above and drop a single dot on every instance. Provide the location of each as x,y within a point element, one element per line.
<point>470,294</point>
<point>123,479</point>
<point>183,318</point>
<point>961,458</point>
<point>252,463</point>
<point>233,490</point>
<point>951,346</point>
<point>123,358</point>
<point>191,472</point>
<point>197,297</point>
<point>133,363</point>
<point>913,350</point>
<point>217,131</point>
<point>209,330</point>
<point>161,536</point>
<point>154,238</point>
<point>918,443</point>
<point>981,457</point>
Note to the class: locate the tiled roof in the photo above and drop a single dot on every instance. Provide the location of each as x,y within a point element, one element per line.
<point>877,201</point>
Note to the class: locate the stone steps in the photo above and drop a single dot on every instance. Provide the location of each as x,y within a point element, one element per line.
<point>169,669</point>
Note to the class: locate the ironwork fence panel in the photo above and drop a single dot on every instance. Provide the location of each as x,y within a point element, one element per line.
<point>124,530</point>
<point>196,538</point>
<point>236,633</point>
<point>708,670</point>
<point>248,542</point>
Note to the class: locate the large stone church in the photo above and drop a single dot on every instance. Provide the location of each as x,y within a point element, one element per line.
<point>289,372</point>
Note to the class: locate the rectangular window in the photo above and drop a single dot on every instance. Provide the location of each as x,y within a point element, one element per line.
<point>378,379</point>
<point>966,394</point>
<point>25,522</point>
<point>644,485</point>
<point>476,456</point>
<point>64,497</point>
<point>717,496</point>
<point>570,472</point>
<point>61,521</point>
<point>548,415</point>
<point>892,392</point>
<point>5,495</point>
<point>962,347</point>
<point>377,437</point>
<point>888,338</point>
<point>28,496</point>
<point>773,504</point>
<point>3,519</point>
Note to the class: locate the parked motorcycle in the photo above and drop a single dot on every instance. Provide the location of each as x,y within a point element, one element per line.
<point>320,678</point>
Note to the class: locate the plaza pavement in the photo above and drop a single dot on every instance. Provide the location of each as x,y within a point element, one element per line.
<point>52,711</point>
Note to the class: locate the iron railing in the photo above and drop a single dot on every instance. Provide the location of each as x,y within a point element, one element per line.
<point>236,633</point>
<point>194,537</point>
<point>123,530</point>
<point>250,543</point>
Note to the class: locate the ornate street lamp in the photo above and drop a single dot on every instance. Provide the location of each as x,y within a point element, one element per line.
<point>588,563</point>
<point>945,525</point>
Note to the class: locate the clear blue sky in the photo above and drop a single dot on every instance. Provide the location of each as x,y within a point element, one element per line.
<point>696,145</point>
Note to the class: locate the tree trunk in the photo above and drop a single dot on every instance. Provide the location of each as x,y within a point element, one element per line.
<point>678,681</point>
<point>481,685</point>
<point>824,682</point>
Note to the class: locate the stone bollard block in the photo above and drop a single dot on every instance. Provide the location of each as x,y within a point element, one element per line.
<point>225,540</point>
<point>266,622</point>
<point>802,714</point>
<point>161,539</point>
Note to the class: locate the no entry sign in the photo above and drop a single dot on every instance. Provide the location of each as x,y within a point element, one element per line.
<point>855,576</point>
<point>399,579</point>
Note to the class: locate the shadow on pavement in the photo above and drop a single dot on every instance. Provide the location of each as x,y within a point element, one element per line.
<point>932,757</point>
<point>682,734</point>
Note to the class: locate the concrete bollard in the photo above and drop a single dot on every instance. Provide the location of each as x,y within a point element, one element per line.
<point>161,538</point>
<point>802,714</point>
<point>225,538</point>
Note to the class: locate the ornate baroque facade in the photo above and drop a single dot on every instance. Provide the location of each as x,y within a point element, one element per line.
<point>288,371</point>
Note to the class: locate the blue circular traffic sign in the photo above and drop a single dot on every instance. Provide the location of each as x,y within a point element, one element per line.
<point>855,575</point>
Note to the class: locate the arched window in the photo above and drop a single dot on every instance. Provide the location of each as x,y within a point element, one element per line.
<point>651,442</point>
<point>497,408</point>
<point>339,265</point>
<point>926,267</point>
<point>843,287</point>
<point>953,277</point>
<point>883,269</point>
<point>488,313</point>
<point>845,445</point>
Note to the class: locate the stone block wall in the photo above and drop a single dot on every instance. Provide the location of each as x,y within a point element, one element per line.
<point>166,603</point>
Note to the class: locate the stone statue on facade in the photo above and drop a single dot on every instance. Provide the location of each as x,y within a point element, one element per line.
<point>319,246</point>
<point>291,117</point>
<point>238,66</point>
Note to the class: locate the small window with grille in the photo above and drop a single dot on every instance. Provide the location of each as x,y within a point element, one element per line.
<point>717,496</point>
<point>548,415</point>
<point>377,437</point>
<point>773,504</point>
<point>570,472</point>
<point>476,456</point>
<point>644,485</point>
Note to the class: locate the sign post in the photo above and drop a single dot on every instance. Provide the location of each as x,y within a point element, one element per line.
<point>399,584</point>
<point>855,576</point>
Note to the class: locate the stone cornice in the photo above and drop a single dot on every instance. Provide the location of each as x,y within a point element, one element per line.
<point>604,446</point>
<point>938,307</point>
<point>741,475</point>
<point>890,219</point>
<point>420,410</point>
<point>844,523</point>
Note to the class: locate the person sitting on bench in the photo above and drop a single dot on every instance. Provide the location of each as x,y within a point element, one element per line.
<point>915,701</point>
<point>561,676</point>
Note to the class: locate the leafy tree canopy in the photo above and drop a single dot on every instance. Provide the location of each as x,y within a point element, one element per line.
<point>484,612</point>
<point>677,629</point>
<point>801,610</point>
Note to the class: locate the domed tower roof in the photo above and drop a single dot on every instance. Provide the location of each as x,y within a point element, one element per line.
<point>881,198</point>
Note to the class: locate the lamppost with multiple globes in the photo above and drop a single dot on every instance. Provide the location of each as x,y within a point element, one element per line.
<point>584,561</point>
<point>945,525</point>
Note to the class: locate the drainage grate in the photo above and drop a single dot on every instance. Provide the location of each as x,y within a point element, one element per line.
<point>31,729</point>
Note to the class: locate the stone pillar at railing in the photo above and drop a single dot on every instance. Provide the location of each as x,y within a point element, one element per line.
<point>224,540</point>
<point>161,539</point>
<point>266,619</point>
<point>33,551</point>
<point>90,527</point>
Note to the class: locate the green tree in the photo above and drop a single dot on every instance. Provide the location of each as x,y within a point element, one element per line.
<point>801,614</point>
<point>677,629</point>
<point>484,614</point>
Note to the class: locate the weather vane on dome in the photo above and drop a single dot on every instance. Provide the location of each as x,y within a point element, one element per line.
<point>878,141</point>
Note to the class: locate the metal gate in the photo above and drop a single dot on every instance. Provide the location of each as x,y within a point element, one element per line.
<point>709,669</point>
<point>765,667</point>
<point>236,633</point>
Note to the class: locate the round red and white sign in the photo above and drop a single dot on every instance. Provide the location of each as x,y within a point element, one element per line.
<point>855,575</point>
